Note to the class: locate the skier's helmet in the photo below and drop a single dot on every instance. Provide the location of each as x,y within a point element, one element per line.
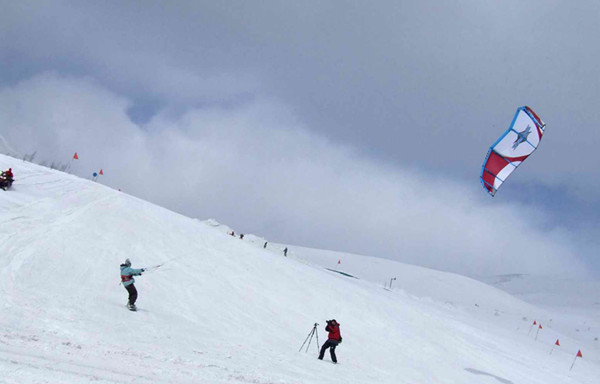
<point>127,262</point>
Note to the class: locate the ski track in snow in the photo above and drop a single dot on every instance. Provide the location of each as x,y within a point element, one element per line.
<point>29,355</point>
<point>225,310</point>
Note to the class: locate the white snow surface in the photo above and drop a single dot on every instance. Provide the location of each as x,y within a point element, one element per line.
<point>225,310</point>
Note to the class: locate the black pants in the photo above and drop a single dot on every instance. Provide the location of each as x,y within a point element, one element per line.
<point>132,293</point>
<point>329,344</point>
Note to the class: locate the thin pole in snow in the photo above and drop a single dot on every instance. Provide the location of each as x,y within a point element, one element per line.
<point>574,360</point>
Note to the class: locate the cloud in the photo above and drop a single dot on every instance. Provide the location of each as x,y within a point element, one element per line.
<point>256,167</point>
<point>376,76</point>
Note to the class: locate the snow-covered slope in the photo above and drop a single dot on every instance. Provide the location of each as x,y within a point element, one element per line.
<point>225,310</point>
<point>573,302</point>
<point>570,305</point>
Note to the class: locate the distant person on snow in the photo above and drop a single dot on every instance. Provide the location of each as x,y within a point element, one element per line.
<point>285,252</point>
<point>241,236</point>
<point>265,246</point>
<point>6,179</point>
<point>334,338</point>
<point>127,279</point>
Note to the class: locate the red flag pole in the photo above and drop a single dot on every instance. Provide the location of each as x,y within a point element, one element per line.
<point>538,331</point>
<point>578,355</point>
<point>75,157</point>
<point>98,174</point>
<point>531,327</point>
<point>553,345</point>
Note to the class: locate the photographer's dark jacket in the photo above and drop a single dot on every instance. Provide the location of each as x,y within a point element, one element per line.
<point>334,331</point>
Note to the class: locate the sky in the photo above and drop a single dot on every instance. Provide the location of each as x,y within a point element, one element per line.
<point>337,125</point>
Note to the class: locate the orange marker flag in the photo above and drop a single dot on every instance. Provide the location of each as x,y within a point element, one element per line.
<point>102,173</point>
<point>579,354</point>
<point>540,327</point>
<point>75,156</point>
<point>340,261</point>
<point>557,343</point>
<point>534,322</point>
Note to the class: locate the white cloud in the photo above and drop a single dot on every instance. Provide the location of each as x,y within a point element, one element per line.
<point>258,169</point>
<point>380,76</point>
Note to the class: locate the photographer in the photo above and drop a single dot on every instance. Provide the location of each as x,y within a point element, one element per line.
<point>333,327</point>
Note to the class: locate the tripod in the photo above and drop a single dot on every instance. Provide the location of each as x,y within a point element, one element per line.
<point>309,338</point>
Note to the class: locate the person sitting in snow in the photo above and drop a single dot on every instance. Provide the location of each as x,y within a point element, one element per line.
<point>6,179</point>
<point>334,338</point>
<point>127,279</point>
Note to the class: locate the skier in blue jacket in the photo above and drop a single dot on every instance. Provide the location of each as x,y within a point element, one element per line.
<point>127,279</point>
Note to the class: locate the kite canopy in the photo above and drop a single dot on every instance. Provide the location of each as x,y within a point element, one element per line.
<point>511,149</point>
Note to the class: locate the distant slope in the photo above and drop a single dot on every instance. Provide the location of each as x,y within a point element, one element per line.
<point>225,310</point>
<point>442,287</point>
<point>568,305</point>
<point>573,303</point>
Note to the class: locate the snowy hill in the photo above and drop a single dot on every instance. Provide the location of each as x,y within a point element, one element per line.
<point>225,310</point>
<point>570,305</point>
<point>573,303</point>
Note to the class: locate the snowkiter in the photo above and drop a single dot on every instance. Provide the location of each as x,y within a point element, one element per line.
<point>333,339</point>
<point>127,279</point>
